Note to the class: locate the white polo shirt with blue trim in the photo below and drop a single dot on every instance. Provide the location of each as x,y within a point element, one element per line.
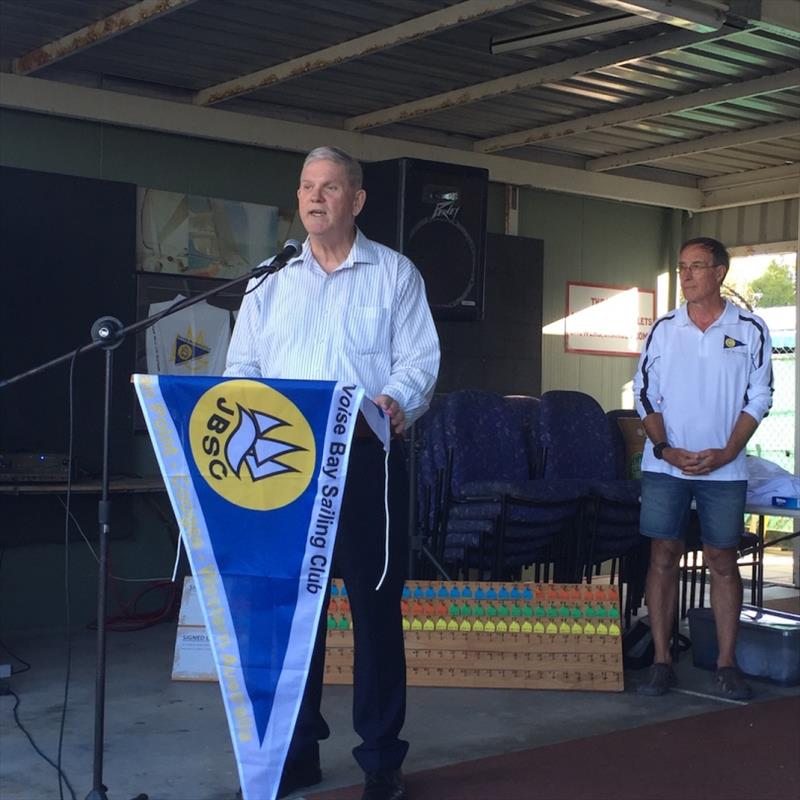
<point>701,381</point>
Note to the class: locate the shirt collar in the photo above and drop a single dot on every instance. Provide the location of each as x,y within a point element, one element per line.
<point>363,251</point>
<point>684,319</point>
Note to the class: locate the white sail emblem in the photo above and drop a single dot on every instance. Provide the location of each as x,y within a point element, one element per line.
<point>248,446</point>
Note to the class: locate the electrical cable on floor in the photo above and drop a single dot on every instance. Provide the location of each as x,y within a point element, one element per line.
<point>131,619</point>
<point>55,766</point>
<point>13,655</point>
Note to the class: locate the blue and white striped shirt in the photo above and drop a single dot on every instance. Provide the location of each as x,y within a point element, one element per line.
<point>368,322</point>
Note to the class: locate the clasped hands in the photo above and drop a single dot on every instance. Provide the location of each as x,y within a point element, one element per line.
<point>702,462</point>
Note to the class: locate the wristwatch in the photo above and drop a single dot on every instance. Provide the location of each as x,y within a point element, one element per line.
<point>658,449</point>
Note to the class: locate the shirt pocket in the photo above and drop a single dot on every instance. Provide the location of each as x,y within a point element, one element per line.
<point>366,330</point>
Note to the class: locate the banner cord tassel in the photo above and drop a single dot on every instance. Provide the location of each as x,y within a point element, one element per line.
<point>386,517</point>
<point>177,558</point>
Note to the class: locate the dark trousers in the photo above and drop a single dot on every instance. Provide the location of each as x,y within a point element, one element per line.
<point>379,679</point>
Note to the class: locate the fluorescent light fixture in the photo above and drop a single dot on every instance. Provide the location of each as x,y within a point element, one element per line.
<point>567,29</point>
<point>692,15</point>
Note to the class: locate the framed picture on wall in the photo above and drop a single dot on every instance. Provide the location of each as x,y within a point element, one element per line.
<point>607,320</point>
<point>187,234</point>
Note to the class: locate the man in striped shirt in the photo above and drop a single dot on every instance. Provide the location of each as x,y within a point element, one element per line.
<point>703,385</point>
<point>350,309</point>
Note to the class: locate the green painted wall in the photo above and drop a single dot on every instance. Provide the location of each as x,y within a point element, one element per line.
<point>156,160</point>
<point>592,241</point>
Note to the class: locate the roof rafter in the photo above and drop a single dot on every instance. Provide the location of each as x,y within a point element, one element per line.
<point>607,119</point>
<point>553,73</point>
<point>415,28</point>
<point>101,31</point>
<point>750,177</point>
<point>717,141</point>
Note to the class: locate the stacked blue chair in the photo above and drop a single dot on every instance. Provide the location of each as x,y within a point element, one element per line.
<point>498,515</point>
<point>524,411</point>
<point>578,444</point>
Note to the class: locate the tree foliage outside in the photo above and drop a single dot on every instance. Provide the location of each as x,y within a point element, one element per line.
<point>775,287</point>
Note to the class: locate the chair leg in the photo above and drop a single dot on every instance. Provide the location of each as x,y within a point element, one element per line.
<point>676,634</point>
<point>703,581</point>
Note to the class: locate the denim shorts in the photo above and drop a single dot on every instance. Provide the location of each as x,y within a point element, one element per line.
<point>667,501</point>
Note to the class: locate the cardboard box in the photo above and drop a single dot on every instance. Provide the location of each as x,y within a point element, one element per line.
<point>634,437</point>
<point>768,645</point>
<point>194,660</point>
<point>190,613</point>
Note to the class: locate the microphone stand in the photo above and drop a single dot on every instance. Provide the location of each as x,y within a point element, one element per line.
<point>108,333</point>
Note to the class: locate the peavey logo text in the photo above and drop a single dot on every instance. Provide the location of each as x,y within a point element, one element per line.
<point>252,445</point>
<point>447,209</point>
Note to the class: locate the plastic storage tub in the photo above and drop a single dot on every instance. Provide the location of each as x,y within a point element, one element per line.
<point>768,645</point>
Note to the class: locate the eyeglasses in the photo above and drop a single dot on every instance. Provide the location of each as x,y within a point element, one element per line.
<point>694,268</point>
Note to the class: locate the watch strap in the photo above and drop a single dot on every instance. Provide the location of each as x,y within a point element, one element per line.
<point>658,449</point>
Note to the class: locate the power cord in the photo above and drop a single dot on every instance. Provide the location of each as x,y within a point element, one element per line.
<point>57,767</point>
<point>13,655</point>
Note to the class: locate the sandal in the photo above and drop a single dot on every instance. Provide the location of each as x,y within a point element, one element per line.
<point>729,683</point>
<point>659,681</point>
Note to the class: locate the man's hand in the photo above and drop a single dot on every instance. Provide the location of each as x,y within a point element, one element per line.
<point>397,417</point>
<point>707,461</point>
<point>684,460</point>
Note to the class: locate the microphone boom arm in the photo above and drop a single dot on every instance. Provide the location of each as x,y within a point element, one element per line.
<point>111,333</point>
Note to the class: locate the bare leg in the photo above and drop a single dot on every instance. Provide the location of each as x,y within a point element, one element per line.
<point>726,600</point>
<point>661,593</point>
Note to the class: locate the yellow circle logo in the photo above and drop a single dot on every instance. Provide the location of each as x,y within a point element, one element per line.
<point>730,342</point>
<point>252,445</point>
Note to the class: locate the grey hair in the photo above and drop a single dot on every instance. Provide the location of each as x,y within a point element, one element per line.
<point>351,167</point>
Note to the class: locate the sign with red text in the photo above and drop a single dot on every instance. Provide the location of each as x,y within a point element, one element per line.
<point>608,320</point>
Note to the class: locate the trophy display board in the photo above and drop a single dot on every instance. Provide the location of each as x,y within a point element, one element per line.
<point>496,635</point>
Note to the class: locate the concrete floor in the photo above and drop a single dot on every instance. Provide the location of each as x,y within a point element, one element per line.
<point>169,739</point>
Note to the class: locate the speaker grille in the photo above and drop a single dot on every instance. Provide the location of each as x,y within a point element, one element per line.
<point>436,215</point>
<point>445,255</point>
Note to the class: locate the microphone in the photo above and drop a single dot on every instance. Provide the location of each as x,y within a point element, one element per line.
<point>291,248</point>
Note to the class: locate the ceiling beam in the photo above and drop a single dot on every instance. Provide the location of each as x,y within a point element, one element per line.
<point>565,30</point>
<point>101,31</point>
<point>671,105</point>
<point>404,32</point>
<point>751,176</point>
<point>733,196</point>
<point>717,141</point>
<point>684,14</point>
<point>780,16</point>
<point>114,108</point>
<point>553,73</point>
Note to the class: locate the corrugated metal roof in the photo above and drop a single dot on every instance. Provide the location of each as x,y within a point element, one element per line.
<point>447,87</point>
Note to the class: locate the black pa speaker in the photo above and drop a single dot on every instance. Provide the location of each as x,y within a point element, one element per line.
<point>436,215</point>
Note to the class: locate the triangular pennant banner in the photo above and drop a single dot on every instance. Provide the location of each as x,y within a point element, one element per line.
<point>255,472</point>
<point>187,350</point>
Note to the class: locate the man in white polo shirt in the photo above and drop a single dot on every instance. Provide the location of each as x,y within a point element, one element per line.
<point>703,385</point>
